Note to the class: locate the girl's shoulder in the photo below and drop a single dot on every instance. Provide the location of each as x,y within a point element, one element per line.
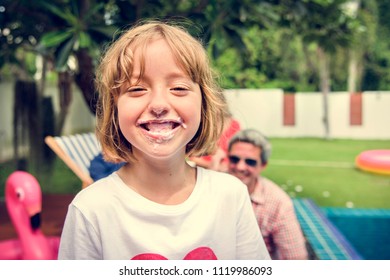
<point>219,175</point>
<point>224,189</point>
<point>99,192</point>
<point>223,181</point>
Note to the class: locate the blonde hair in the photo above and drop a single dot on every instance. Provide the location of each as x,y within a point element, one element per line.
<point>116,68</point>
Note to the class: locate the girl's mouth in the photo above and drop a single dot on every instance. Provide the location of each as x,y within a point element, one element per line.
<point>156,127</point>
<point>160,130</point>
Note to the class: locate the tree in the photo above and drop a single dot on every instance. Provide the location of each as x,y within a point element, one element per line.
<point>22,23</point>
<point>64,29</point>
<point>80,30</point>
<point>325,23</point>
<point>376,56</point>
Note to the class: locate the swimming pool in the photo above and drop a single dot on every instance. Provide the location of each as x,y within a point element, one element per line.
<point>368,230</point>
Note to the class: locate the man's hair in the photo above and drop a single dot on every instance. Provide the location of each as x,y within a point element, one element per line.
<point>116,68</point>
<point>257,139</point>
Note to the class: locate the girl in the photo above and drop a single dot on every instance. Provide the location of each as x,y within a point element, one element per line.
<point>158,105</point>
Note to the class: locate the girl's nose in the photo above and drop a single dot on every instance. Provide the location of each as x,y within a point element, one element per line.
<point>159,103</point>
<point>158,111</point>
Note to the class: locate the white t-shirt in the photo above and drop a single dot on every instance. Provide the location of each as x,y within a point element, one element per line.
<point>108,220</point>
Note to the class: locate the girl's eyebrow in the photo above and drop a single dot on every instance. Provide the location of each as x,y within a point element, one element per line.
<point>170,76</point>
<point>175,75</point>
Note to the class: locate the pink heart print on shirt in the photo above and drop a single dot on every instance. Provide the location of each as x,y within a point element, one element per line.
<point>201,253</point>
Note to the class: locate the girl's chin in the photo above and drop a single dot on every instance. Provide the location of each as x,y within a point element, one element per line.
<point>160,151</point>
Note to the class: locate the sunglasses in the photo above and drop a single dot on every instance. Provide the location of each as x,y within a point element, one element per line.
<point>248,161</point>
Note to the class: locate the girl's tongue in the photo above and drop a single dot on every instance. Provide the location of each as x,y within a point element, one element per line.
<point>160,127</point>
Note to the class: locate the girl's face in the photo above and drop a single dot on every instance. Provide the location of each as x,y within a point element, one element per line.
<point>160,112</point>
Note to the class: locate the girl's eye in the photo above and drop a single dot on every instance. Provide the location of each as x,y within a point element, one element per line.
<point>180,90</point>
<point>135,91</point>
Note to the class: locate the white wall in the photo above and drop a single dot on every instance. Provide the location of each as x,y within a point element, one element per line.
<point>257,108</point>
<point>376,114</point>
<point>79,118</point>
<point>6,116</point>
<point>263,110</point>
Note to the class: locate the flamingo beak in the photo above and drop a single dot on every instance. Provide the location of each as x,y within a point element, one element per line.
<point>35,221</point>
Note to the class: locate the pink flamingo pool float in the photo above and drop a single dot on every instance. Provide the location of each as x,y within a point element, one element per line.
<point>23,198</point>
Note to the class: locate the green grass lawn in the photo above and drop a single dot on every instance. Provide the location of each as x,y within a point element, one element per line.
<point>324,171</point>
<point>304,167</point>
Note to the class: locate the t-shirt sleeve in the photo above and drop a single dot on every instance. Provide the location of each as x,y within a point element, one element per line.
<point>79,239</point>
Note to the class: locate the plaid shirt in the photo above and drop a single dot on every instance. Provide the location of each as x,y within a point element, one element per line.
<point>278,223</point>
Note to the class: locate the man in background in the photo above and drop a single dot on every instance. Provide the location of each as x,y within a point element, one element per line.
<point>248,154</point>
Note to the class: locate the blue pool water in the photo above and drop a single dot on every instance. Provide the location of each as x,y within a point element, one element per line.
<point>368,230</point>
